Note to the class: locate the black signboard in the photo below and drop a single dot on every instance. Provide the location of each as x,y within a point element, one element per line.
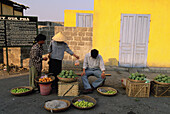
<point>17,30</point>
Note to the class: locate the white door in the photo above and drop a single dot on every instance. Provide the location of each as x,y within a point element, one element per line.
<point>134,40</point>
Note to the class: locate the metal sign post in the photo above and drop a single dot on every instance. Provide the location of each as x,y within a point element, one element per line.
<point>7,64</point>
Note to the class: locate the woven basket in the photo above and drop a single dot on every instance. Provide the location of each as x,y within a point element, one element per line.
<point>86,98</point>
<point>25,93</point>
<point>161,83</point>
<point>108,89</point>
<point>60,109</point>
<point>139,81</point>
<point>67,79</point>
<point>37,80</point>
<point>134,89</point>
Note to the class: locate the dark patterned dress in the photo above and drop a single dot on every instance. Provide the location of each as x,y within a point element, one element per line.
<point>35,63</point>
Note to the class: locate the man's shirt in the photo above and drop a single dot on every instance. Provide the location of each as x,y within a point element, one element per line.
<point>92,63</point>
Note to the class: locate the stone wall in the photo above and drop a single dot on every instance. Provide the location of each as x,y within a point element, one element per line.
<point>14,55</point>
<point>79,41</point>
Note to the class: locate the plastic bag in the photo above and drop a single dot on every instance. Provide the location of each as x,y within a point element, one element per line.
<point>77,63</point>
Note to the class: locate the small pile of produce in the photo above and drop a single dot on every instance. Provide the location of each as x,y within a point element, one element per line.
<point>67,74</point>
<point>162,78</point>
<point>83,104</point>
<point>137,76</point>
<point>45,79</point>
<point>107,91</point>
<point>55,104</point>
<point>20,90</point>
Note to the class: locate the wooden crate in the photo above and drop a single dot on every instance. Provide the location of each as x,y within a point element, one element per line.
<point>159,90</point>
<point>68,89</point>
<point>134,89</point>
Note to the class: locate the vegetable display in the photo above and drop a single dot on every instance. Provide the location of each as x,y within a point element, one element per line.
<point>107,91</point>
<point>83,104</point>
<point>45,79</point>
<point>67,74</point>
<point>162,78</point>
<point>137,76</point>
<point>20,90</point>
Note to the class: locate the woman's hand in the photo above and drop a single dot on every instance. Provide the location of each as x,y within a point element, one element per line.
<point>45,58</point>
<point>76,56</point>
<point>49,55</point>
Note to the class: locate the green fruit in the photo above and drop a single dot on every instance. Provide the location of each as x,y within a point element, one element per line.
<point>130,77</point>
<point>64,76</point>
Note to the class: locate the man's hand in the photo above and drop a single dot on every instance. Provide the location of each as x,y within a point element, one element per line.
<point>83,73</point>
<point>103,75</point>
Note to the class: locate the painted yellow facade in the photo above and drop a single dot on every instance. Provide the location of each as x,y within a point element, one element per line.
<point>107,23</point>
<point>70,17</point>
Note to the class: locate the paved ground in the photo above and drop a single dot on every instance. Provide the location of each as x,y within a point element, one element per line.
<point>119,104</point>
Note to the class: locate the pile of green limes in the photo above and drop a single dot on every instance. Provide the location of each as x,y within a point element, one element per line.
<point>111,92</point>
<point>83,104</point>
<point>20,90</point>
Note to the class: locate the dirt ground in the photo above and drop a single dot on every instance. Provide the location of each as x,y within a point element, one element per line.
<point>118,104</point>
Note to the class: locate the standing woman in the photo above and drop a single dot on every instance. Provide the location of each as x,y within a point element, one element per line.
<point>56,53</point>
<point>35,62</point>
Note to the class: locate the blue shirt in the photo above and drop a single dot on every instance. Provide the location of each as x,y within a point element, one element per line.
<point>57,50</point>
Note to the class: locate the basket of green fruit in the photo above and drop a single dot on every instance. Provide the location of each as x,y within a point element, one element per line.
<point>84,102</point>
<point>137,77</point>
<point>109,91</point>
<point>162,79</point>
<point>67,76</point>
<point>24,90</point>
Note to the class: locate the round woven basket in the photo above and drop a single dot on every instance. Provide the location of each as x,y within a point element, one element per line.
<point>37,80</point>
<point>24,93</point>
<point>161,83</point>
<point>107,89</point>
<point>139,81</point>
<point>59,109</point>
<point>67,79</point>
<point>86,98</point>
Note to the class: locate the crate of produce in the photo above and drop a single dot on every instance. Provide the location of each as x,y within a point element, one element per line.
<point>135,89</point>
<point>137,77</point>
<point>68,89</point>
<point>67,76</point>
<point>160,90</point>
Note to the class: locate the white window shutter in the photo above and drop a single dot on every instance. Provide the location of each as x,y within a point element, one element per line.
<point>84,20</point>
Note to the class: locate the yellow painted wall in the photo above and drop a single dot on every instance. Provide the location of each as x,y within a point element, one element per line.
<point>70,17</point>
<point>106,28</point>
<point>7,10</point>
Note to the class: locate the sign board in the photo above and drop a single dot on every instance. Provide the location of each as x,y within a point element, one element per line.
<point>17,31</point>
